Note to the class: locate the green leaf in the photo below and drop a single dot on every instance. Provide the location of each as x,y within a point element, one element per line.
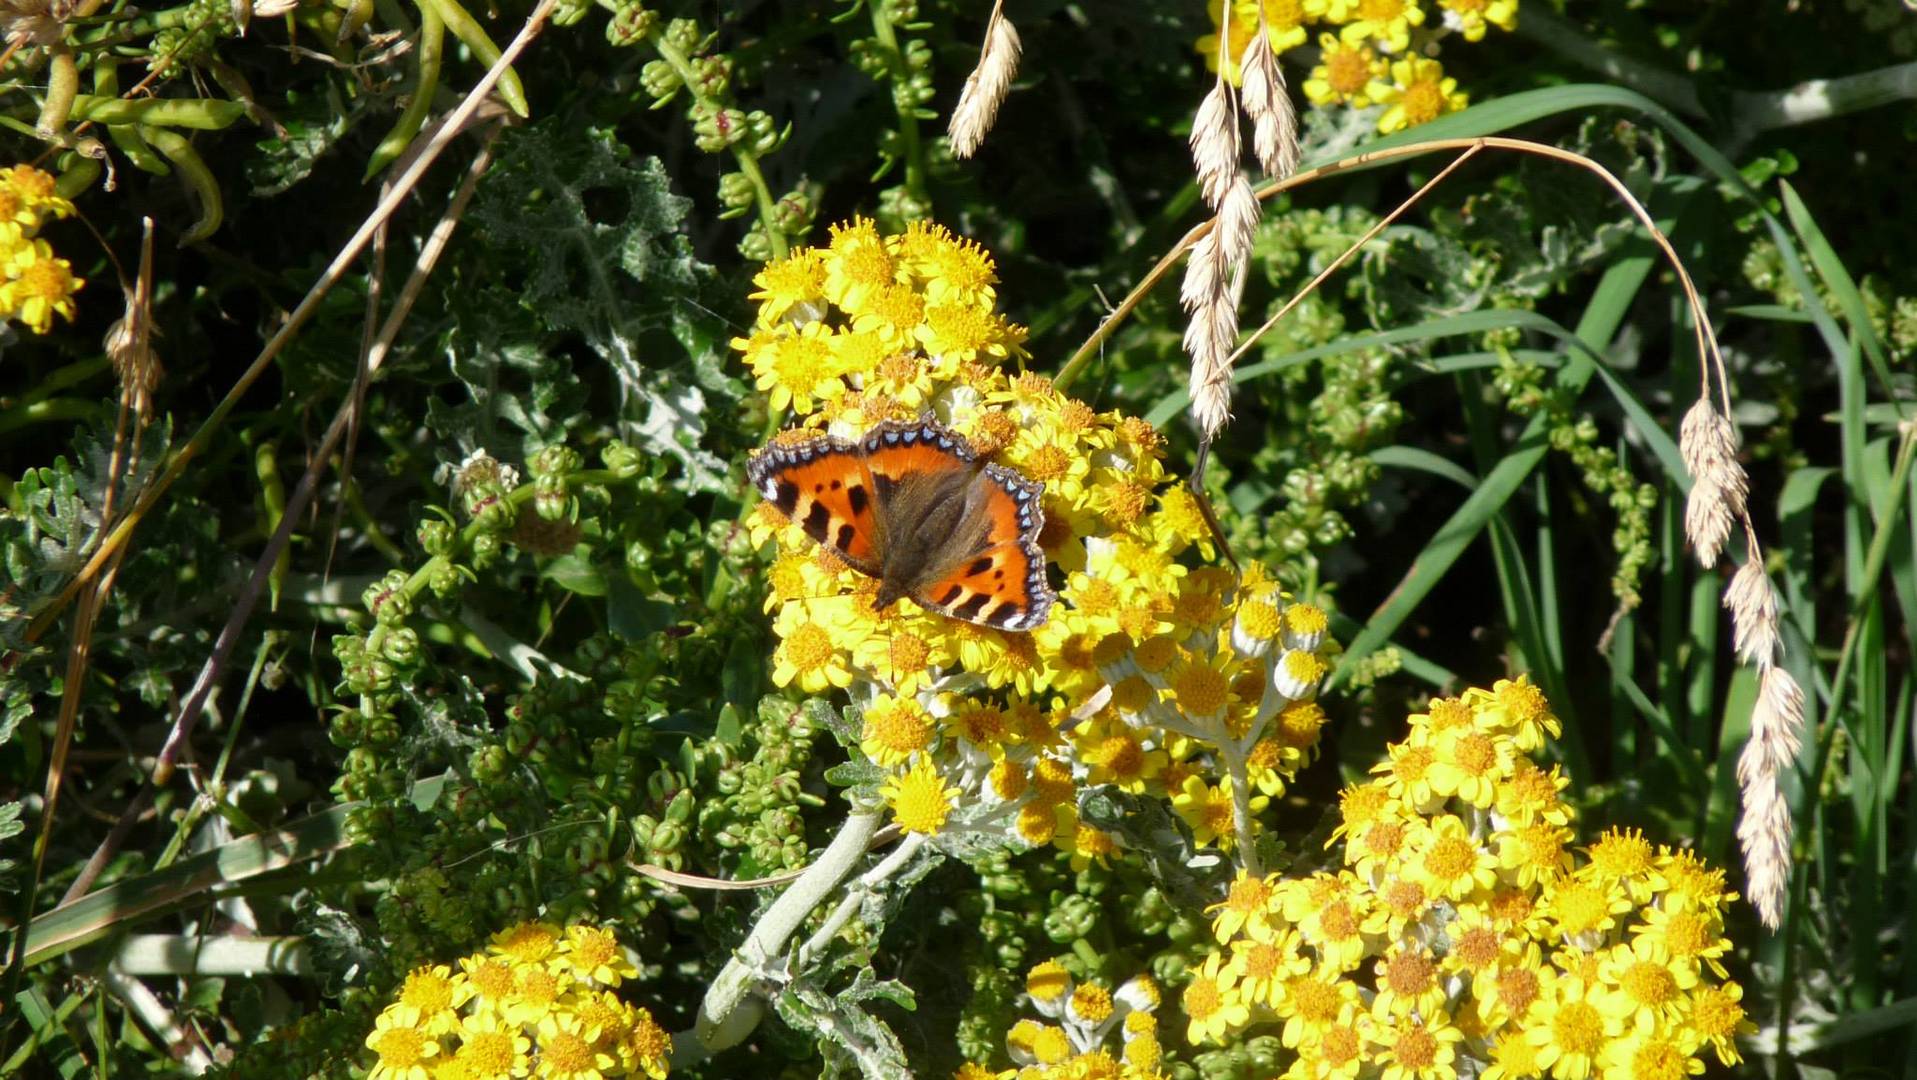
<point>575,572</point>
<point>595,240</point>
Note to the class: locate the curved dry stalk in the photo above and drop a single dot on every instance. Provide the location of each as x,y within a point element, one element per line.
<point>1707,337</point>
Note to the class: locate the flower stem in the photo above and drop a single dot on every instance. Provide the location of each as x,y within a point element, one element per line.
<point>747,159</point>
<point>908,121</point>
<point>1241,809</point>
<point>726,1016</point>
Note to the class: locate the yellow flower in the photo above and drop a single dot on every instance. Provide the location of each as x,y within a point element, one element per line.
<point>1417,1048</point>
<point>1264,964</point>
<point>808,652</point>
<point>1208,811</point>
<point>1408,981</point>
<point>1419,92</point>
<point>919,798</point>
<point>953,332</point>
<point>894,730</point>
<point>491,981</point>
<point>1469,17</point>
<point>1534,853</point>
<point>41,287</point>
<point>798,367</point>
<point>1312,1003</point>
<point>1506,989</point>
<point>1647,992</point>
<point>1245,903</point>
<point>1407,771</point>
<point>798,279</point>
<point>566,1054</point>
<point>1513,1058</point>
<point>1570,1031</point>
<point>1344,74</point>
<point>428,999</point>
<point>1469,764</point>
<point>646,1043</point>
<point>492,1049</point>
<point>403,1049</point>
<point>1520,708</point>
<point>1386,22</point>
<point>1284,28</point>
<point>1717,1016</point>
<point>536,993</point>
<point>526,943</point>
<point>1649,1057</point>
<point>1450,864</point>
<point>953,270</point>
<point>858,263</point>
<point>594,955</point>
<point>1684,934</point>
<point>1211,1010</point>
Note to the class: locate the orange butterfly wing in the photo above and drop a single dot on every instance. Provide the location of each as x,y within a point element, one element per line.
<point>1002,585</point>
<point>823,485</point>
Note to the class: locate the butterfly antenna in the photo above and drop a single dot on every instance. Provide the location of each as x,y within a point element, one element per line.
<point>1197,486</point>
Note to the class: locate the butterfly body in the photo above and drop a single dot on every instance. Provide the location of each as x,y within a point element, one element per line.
<point>910,504</point>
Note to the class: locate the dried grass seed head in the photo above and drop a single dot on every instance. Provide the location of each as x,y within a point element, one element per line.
<point>986,87</point>
<point>1214,143</point>
<point>1764,832</point>
<point>1267,102</point>
<point>1752,602</point>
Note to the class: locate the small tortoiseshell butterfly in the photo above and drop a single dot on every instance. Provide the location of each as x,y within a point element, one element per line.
<point>912,505</point>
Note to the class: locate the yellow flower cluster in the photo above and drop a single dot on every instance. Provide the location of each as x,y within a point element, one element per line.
<point>1142,662</point>
<point>1463,937</point>
<point>537,1001</point>
<point>1365,49</point>
<point>1083,1018</point>
<point>34,284</point>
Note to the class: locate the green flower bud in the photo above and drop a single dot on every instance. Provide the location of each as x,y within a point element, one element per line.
<point>683,35</point>
<point>401,647</point>
<point>436,535</point>
<point>715,129</point>
<point>346,729</point>
<point>554,461</point>
<point>553,499</point>
<point>762,135</point>
<point>486,549</point>
<point>755,245</point>
<point>443,579</point>
<point>661,80</point>
<point>736,193</point>
<point>621,459</point>
<point>712,75</point>
<point>631,25</point>
<point>386,600</point>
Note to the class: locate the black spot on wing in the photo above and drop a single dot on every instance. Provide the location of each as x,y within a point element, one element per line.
<point>857,497</point>
<point>1005,616</point>
<point>951,594</point>
<point>983,564</point>
<point>816,519</point>
<point>971,608</point>
<point>843,541</point>
<point>787,497</point>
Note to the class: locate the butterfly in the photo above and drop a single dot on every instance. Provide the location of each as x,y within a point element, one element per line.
<point>911,504</point>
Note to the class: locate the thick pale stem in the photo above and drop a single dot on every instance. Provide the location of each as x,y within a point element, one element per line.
<point>857,894</point>
<point>725,1017</point>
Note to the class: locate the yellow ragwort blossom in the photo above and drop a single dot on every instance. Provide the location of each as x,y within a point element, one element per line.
<point>1466,935</point>
<point>526,1005</point>
<point>35,284</point>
